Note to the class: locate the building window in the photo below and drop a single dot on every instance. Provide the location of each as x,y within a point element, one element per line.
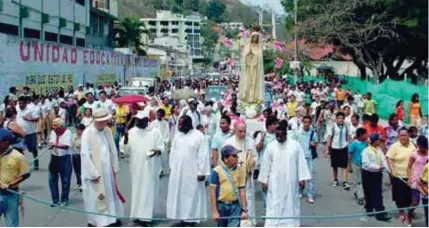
<point>80,42</point>
<point>164,30</point>
<point>175,22</point>
<point>175,30</point>
<point>152,30</point>
<point>196,24</point>
<point>164,23</point>
<point>31,33</point>
<point>197,31</point>
<point>197,38</point>
<point>152,23</point>
<point>188,30</point>
<point>49,36</point>
<point>9,29</point>
<point>66,39</point>
<point>188,23</point>
<point>81,2</point>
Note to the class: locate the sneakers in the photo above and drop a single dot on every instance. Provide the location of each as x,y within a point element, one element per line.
<point>346,186</point>
<point>383,217</point>
<point>335,183</point>
<point>300,195</point>
<point>78,188</point>
<point>310,200</point>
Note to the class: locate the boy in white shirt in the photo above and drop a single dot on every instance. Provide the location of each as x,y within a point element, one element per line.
<point>373,165</point>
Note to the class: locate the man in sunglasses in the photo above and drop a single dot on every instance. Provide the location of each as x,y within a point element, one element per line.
<point>227,189</point>
<point>283,171</point>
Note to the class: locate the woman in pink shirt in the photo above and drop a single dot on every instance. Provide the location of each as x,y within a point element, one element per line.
<point>415,167</point>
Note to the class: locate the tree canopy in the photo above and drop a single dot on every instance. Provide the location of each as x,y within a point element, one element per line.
<point>129,32</point>
<point>215,10</point>
<point>378,34</point>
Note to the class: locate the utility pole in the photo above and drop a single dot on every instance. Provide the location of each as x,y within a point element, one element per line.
<point>295,2</point>
<point>273,22</point>
<point>261,17</point>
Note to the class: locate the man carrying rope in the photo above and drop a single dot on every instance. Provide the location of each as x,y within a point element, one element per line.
<point>14,169</point>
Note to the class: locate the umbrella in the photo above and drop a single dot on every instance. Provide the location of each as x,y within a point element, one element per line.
<point>131,99</point>
<point>185,94</point>
<point>324,67</point>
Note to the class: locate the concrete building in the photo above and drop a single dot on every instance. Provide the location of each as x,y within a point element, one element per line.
<point>231,25</point>
<point>187,29</point>
<point>84,23</point>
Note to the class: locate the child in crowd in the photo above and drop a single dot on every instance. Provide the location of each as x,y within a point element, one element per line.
<point>373,165</point>
<point>414,133</point>
<point>87,118</point>
<point>76,155</point>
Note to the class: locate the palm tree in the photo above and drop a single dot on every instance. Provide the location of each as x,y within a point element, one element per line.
<point>128,34</point>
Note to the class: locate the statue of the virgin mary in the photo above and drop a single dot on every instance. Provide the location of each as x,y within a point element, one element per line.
<point>251,87</point>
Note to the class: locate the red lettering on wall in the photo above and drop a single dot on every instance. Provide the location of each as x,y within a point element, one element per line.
<point>97,58</point>
<point>38,52</point>
<point>55,53</point>
<point>24,56</point>
<point>92,56</point>
<point>103,58</point>
<point>47,52</point>
<point>85,56</point>
<point>65,56</point>
<point>73,54</point>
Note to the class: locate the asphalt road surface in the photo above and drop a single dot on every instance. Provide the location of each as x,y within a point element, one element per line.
<point>330,201</point>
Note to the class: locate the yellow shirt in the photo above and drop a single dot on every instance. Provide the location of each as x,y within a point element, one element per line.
<point>121,114</point>
<point>400,155</point>
<point>167,110</point>
<point>341,95</point>
<point>12,165</point>
<point>291,106</point>
<point>224,189</point>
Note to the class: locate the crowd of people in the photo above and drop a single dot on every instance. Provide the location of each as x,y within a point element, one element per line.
<point>206,143</point>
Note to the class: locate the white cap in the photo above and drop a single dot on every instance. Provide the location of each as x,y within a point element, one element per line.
<point>142,114</point>
<point>191,99</point>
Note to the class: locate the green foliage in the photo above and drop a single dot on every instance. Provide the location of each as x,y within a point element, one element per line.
<point>232,33</point>
<point>215,10</point>
<point>193,5</point>
<point>129,33</point>
<point>378,34</point>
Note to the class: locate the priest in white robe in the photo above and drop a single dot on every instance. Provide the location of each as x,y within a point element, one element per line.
<point>283,170</point>
<point>248,159</point>
<point>145,165</point>
<point>187,194</point>
<point>99,168</point>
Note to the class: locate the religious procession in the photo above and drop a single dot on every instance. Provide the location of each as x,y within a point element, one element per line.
<point>229,148</point>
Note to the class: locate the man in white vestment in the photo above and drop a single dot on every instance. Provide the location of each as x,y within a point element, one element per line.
<point>283,170</point>
<point>187,194</point>
<point>247,159</point>
<point>163,127</point>
<point>99,168</point>
<point>145,165</point>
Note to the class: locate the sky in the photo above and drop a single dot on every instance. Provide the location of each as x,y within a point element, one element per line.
<point>273,3</point>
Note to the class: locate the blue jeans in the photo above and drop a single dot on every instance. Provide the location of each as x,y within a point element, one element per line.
<point>311,190</point>
<point>60,166</point>
<point>9,207</point>
<point>227,210</point>
<point>119,131</point>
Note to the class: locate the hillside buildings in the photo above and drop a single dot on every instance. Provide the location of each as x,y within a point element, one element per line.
<point>84,23</point>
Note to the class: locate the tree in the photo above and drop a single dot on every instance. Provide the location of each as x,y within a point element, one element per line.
<point>215,10</point>
<point>193,5</point>
<point>211,38</point>
<point>378,34</point>
<point>129,33</point>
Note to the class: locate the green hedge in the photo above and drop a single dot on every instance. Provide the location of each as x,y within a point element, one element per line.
<point>387,93</point>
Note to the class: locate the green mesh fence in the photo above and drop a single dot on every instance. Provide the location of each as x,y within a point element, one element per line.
<point>387,93</point>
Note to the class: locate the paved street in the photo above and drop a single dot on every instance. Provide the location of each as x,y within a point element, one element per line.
<point>330,201</point>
